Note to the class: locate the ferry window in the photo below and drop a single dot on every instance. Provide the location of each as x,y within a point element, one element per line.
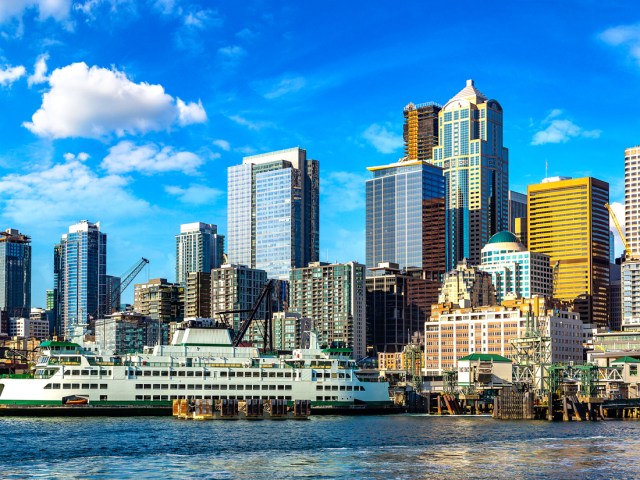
<point>207,374</point>
<point>173,397</point>
<point>327,398</point>
<point>189,374</point>
<point>288,397</point>
<point>349,388</point>
<point>103,386</point>
<point>138,397</point>
<point>94,372</point>
<point>232,374</point>
<point>207,387</point>
<point>164,397</point>
<point>156,397</point>
<point>66,386</point>
<point>335,387</point>
<point>272,374</point>
<point>181,387</point>
<point>55,386</point>
<point>86,372</point>
<point>47,386</point>
<point>318,387</point>
<point>173,387</point>
<point>147,373</point>
<point>85,385</point>
<point>279,374</point>
<point>240,387</point>
<point>342,387</point>
<point>198,374</point>
<point>256,374</point>
<point>75,385</point>
<point>272,387</point>
<point>164,386</point>
<point>156,373</point>
<point>214,387</point>
<point>347,375</point>
<point>280,387</point>
<point>232,387</point>
<point>264,374</point>
<point>319,399</point>
<point>94,386</point>
<point>223,374</point>
<point>75,372</point>
<point>156,386</point>
<point>197,387</point>
<point>334,375</point>
<point>103,398</point>
<point>287,387</point>
<point>147,397</point>
<point>180,373</point>
<point>240,374</point>
<point>223,387</point>
<point>164,373</point>
<point>147,386</point>
<point>287,374</point>
<point>341,375</point>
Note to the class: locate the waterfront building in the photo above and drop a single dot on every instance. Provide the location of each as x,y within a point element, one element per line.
<point>467,286</point>
<point>129,332</point>
<point>452,333</point>
<point>476,168</point>
<point>80,271</point>
<point>515,271</point>
<point>408,361</point>
<point>333,296</point>
<point>199,248</point>
<point>197,298</point>
<point>28,327</point>
<point>420,130</point>
<point>160,300</point>
<point>273,221</point>
<point>568,221</point>
<point>405,218</point>
<point>517,208</point>
<point>630,275</point>
<point>236,287</point>
<point>15,273</point>
<point>398,303</point>
<point>291,331</point>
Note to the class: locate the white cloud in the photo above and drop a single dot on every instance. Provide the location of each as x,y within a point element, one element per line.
<point>9,74</point>
<point>195,194</point>
<point>66,192</point>
<point>382,139</point>
<point>343,192</point>
<point>95,102</point>
<point>285,86</point>
<point>627,36</point>
<point>189,113</point>
<point>148,159</point>
<point>250,124</point>
<point>223,144</point>
<point>39,70</point>
<point>232,51</point>
<point>560,130</point>
<point>56,9</point>
<point>82,157</point>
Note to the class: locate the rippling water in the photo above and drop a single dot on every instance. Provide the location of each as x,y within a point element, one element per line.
<point>324,447</point>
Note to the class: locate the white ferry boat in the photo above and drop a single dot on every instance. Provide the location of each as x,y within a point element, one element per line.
<point>201,363</point>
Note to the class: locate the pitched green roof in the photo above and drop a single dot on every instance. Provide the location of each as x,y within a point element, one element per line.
<point>626,360</point>
<point>486,357</point>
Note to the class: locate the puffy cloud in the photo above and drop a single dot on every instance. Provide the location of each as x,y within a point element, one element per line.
<point>560,130</point>
<point>9,74</point>
<point>223,144</point>
<point>67,191</point>
<point>95,102</point>
<point>382,139</point>
<point>626,36</point>
<point>39,70</point>
<point>148,159</point>
<point>56,9</point>
<point>195,194</point>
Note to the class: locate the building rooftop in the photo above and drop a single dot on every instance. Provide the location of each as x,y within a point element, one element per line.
<point>504,241</point>
<point>485,357</point>
<point>626,360</point>
<point>469,92</point>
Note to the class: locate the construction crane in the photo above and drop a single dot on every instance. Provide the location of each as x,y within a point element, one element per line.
<point>554,285</point>
<point>627,249</point>
<point>125,281</point>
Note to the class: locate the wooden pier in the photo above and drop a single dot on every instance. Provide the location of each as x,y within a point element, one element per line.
<point>232,409</point>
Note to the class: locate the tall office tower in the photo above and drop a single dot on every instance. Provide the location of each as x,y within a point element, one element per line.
<point>517,208</point>
<point>630,269</point>
<point>405,217</point>
<point>113,294</point>
<point>197,295</point>
<point>80,265</point>
<point>515,271</point>
<point>15,273</point>
<point>199,248</point>
<point>159,300</point>
<point>273,212</point>
<point>476,170</point>
<point>568,221</point>
<point>236,287</point>
<point>420,130</point>
<point>615,296</point>
<point>334,297</point>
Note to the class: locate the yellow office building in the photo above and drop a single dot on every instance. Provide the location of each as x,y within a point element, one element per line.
<point>568,221</point>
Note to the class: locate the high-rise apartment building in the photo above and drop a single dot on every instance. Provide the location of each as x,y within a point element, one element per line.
<point>113,294</point>
<point>15,273</point>
<point>199,248</point>
<point>273,206</point>
<point>80,265</point>
<point>197,297</point>
<point>420,130</point>
<point>236,287</point>
<point>517,208</point>
<point>514,270</point>
<point>405,217</point>
<point>568,221</point>
<point>333,296</point>
<point>159,300</point>
<point>476,168</point>
<point>630,269</point>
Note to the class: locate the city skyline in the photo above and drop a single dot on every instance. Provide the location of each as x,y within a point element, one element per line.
<point>223,84</point>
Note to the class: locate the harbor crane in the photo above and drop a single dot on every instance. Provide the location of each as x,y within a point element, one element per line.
<point>627,249</point>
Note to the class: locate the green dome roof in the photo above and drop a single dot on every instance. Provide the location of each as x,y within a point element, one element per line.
<point>504,237</point>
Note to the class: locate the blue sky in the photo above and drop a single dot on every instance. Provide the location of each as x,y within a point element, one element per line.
<point>128,112</point>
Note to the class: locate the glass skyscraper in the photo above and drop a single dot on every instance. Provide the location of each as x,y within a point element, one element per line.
<point>476,168</point>
<point>273,212</point>
<point>199,248</point>
<point>80,265</point>
<point>15,273</point>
